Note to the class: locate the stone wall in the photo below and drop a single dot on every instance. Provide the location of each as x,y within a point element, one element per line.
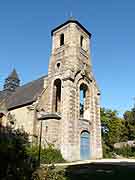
<point>24,118</point>
<point>74,69</point>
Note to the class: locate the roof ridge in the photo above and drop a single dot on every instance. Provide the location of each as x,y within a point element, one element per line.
<point>30,82</point>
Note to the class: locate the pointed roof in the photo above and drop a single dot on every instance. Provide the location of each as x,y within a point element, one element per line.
<point>13,74</point>
<point>71,20</point>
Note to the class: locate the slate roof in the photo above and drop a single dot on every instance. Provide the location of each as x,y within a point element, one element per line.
<point>13,75</point>
<point>3,95</point>
<point>25,94</point>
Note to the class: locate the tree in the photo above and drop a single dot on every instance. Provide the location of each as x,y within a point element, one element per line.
<point>129,117</point>
<point>15,163</point>
<point>113,129</point>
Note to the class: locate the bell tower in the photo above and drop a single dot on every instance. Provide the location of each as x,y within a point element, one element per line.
<point>73,93</point>
<point>70,47</point>
<point>12,82</point>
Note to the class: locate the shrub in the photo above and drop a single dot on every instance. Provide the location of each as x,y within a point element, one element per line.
<point>47,156</point>
<point>126,151</point>
<point>107,151</point>
<point>49,173</point>
<point>14,161</point>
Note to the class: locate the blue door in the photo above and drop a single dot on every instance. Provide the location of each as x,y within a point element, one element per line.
<point>85,145</point>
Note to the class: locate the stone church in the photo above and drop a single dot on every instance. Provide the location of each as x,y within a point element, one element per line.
<point>65,103</point>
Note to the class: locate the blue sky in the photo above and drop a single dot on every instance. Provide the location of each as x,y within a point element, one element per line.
<point>25,42</point>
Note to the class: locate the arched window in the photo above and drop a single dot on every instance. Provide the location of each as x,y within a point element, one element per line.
<point>57,95</point>
<point>61,39</point>
<point>83,99</point>
<point>81,41</point>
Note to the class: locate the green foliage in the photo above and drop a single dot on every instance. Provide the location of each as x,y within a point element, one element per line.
<point>19,159</point>
<point>129,117</point>
<point>115,129</point>
<point>126,151</point>
<point>49,173</point>
<point>107,151</point>
<point>14,161</point>
<point>48,155</point>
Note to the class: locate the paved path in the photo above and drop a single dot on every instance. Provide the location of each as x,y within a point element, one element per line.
<point>98,161</point>
<point>99,169</point>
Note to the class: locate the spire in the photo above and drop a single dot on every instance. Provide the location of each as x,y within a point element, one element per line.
<point>13,74</point>
<point>12,81</point>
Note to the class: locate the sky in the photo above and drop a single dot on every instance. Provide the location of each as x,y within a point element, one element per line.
<point>25,42</point>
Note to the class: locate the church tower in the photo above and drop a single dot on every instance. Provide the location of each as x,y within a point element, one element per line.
<point>12,82</point>
<point>73,95</point>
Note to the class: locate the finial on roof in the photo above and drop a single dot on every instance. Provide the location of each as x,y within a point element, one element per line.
<point>71,16</point>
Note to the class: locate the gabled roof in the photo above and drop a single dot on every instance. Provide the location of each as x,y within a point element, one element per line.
<point>25,94</point>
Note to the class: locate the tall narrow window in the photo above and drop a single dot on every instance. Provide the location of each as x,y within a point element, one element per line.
<point>83,89</point>
<point>81,41</point>
<point>61,39</point>
<point>57,95</point>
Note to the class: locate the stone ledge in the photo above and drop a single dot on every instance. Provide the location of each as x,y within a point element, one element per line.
<point>52,115</point>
